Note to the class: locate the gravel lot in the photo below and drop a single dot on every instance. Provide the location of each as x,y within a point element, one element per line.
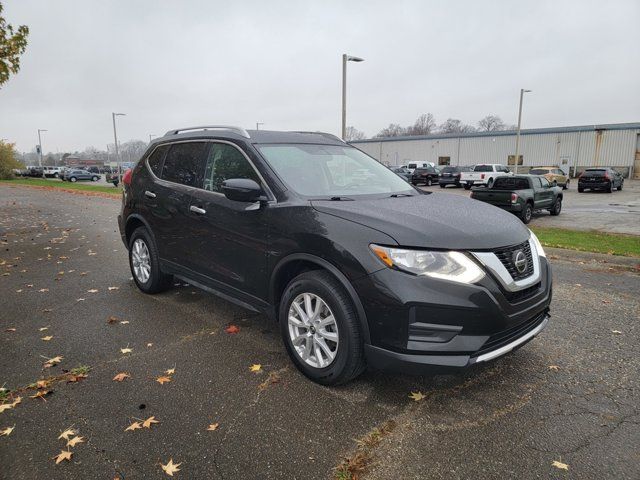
<point>570,396</point>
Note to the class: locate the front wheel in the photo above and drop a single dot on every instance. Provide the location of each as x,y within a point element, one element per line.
<point>580,189</point>
<point>55,175</point>
<point>620,187</point>
<point>94,179</point>
<point>526,214</point>
<point>429,182</point>
<point>145,263</point>
<point>557,207</point>
<point>73,179</point>
<point>442,185</point>
<point>320,329</point>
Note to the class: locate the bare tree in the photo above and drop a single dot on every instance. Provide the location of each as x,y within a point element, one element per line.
<point>491,123</point>
<point>453,125</point>
<point>393,130</point>
<point>353,133</point>
<point>424,125</point>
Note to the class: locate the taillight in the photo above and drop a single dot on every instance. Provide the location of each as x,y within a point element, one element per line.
<point>482,176</point>
<point>514,198</point>
<point>126,178</point>
<point>606,176</point>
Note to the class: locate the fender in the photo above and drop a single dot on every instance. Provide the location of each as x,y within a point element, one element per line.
<point>362,317</point>
<point>137,216</point>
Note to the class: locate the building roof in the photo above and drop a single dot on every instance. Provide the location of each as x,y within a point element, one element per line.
<point>530,131</point>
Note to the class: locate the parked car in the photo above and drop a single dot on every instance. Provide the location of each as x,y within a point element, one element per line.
<point>75,175</point>
<point>553,174</point>
<point>402,172</point>
<point>451,176</point>
<point>52,172</point>
<point>522,195</point>
<point>112,178</point>
<point>483,174</point>
<point>603,178</point>
<point>413,165</point>
<point>35,171</point>
<point>93,169</point>
<point>379,274</point>
<point>426,175</point>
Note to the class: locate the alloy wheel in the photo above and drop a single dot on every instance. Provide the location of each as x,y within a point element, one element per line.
<point>313,330</point>
<point>141,260</point>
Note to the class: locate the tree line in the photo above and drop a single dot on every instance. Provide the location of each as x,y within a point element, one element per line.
<point>426,124</point>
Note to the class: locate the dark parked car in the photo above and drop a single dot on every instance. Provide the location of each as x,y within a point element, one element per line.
<point>451,176</point>
<point>521,195</point>
<point>402,172</point>
<point>604,178</point>
<point>426,175</point>
<point>356,273</point>
<point>112,178</point>
<point>76,174</point>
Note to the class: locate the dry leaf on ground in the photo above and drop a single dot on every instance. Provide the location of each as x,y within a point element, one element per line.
<point>171,371</point>
<point>560,465</point>
<point>121,376</point>
<point>7,431</point>
<point>67,433</point>
<point>114,288</point>
<point>256,367</point>
<point>63,455</point>
<point>170,468</point>
<point>74,441</point>
<point>232,329</point>
<point>149,421</point>
<point>417,396</point>
<point>133,426</point>
<point>162,380</point>
<point>213,426</point>
<point>47,338</point>
<point>126,350</point>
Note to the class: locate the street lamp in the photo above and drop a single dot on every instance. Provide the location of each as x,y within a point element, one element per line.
<point>258,125</point>
<point>40,148</point>
<point>346,58</point>
<point>151,135</point>
<point>522,92</point>
<point>115,137</point>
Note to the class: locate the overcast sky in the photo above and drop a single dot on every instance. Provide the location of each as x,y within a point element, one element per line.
<point>170,64</point>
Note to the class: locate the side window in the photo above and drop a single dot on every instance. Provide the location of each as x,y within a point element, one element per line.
<point>545,183</point>
<point>225,162</point>
<point>537,182</point>
<point>156,159</point>
<point>183,163</point>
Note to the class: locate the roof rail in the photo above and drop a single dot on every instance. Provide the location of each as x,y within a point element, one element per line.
<point>238,130</point>
<point>326,135</point>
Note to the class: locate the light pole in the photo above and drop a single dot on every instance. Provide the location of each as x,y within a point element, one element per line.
<point>115,137</point>
<point>258,125</point>
<point>151,135</point>
<point>40,148</point>
<point>346,58</point>
<point>522,92</point>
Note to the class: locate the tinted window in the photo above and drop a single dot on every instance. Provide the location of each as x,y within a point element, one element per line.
<point>595,172</point>
<point>225,162</point>
<point>183,163</point>
<point>544,182</point>
<point>483,168</point>
<point>450,169</point>
<point>538,171</point>
<point>156,159</point>
<point>537,183</point>
<point>510,183</point>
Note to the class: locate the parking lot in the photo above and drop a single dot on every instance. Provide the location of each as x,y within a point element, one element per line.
<point>570,396</point>
<point>617,212</point>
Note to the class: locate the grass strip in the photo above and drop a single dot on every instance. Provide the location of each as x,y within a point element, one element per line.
<point>590,241</point>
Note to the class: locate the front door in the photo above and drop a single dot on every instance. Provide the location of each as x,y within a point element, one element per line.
<point>228,239</point>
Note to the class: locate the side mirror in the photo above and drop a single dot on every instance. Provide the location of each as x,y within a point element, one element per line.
<point>242,190</point>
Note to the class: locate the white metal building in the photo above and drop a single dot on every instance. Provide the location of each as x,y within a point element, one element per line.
<point>571,148</point>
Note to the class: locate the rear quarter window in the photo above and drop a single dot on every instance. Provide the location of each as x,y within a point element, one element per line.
<point>156,160</point>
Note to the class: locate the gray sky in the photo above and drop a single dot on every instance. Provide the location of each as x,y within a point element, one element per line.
<point>174,64</point>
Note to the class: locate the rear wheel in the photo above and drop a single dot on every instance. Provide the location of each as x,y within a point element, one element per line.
<point>557,207</point>
<point>467,186</point>
<point>580,189</point>
<point>94,179</point>
<point>526,214</point>
<point>490,183</point>
<point>442,185</point>
<point>320,329</point>
<point>620,187</point>
<point>429,181</point>
<point>73,179</point>
<point>610,188</point>
<point>145,263</point>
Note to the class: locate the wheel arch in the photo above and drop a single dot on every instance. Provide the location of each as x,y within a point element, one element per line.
<point>294,264</point>
<point>134,221</point>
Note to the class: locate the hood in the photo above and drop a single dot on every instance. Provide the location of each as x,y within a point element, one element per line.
<point>437,220</point>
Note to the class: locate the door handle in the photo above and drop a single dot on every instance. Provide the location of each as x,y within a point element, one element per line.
<point>198,210</point>
<point>149,194</point>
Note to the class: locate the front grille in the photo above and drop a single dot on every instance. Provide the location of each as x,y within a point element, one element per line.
<point>522,295</point>
<point>505,337</point>
<point>505,255</point>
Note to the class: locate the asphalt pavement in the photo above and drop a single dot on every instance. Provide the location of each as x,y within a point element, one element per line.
<point>571,396</point>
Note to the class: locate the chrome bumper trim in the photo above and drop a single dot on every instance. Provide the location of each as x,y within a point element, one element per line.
<point>510,346</point>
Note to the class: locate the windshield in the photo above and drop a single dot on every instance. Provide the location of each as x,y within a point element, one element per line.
<point>331,171</point>
<point>538,171</point>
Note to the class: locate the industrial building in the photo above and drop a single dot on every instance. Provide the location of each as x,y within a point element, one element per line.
<point>571,148</point>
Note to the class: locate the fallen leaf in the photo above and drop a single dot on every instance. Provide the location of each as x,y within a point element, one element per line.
<point>17,401</point>
<point>121,376</point>
<point>232,329</point>
<point>256,367</point>
<point>7,431</point>
<point>74,441</point>
<point>83,273</point>
<point>163,380</point>
<point>73,378</point>
<point>80,299</point>
<point>5,406</point>
<point>52,361</point>
<point>67,433</point>
<point>560,465</point>
<point>616,332</point>
<point>63,455</point>
<point>47,310</point>
<point>170,468</point>
<point>10,329</point>
<point>578,285</point>
<point>124,322</point>
<point>41,394</point>
<point>43,290</point>
<point>147,423</point>
<point>47,338</point>
<point>92,290</point>
<point>417,396</point>
<point>133,426</point>
<point>42,384</point>
<point>126,350</point>
<point>111,320</point>
<point>42,329</point>
<point>213,426</point>
<point>114,288</point>
<point>554,367</point>
<point>171,371</point>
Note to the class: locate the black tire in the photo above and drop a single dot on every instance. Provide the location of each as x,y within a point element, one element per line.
<point>557,207</point>
<point>429,181</point>
<point>158,281</point>
<point>349,359</point>
<point>442,185</point>
<point>94,179</point>
<point>490,183</point>
<point>467,186</point>
<point>527,213</point>
<point>610,188</point>
<point>620,187</point>
<point>414,183</point>
<point>55,175</point>
<point>580,189</point>
<point>73,179</point>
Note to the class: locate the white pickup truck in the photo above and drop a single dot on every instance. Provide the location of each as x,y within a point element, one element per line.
<point>483,174</point>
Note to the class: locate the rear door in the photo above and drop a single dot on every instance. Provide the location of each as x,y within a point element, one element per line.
<point>543,193</point>
<point>168,197</point>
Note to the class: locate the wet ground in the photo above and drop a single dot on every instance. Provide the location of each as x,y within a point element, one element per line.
<point>571,396</point>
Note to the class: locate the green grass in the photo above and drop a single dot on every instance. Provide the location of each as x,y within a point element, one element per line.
<point>590,241</point>
<point>54,183</point>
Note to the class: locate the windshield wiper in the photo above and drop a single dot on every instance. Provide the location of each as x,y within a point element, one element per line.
<point>396,195</point>
<point>335,198</point>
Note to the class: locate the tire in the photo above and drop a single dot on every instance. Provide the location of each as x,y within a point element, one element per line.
<point>526,213</point>
<point>490,183</point>
<point>414,183</point>
<point>94,179</point>
<point>620,187</point>
<point>348,361</point>
<point>609,189</point>
<point>429,181</point>
<point>55,175</point>
<point>156,281</point>
<point>555,183</point>
<point>73,179</point>
<point>467,186</point>
<point>442,185</point>
<point>580,189</point>
<point>557,207</point>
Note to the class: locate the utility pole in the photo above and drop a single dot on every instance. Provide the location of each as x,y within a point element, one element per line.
<point>522,92</point>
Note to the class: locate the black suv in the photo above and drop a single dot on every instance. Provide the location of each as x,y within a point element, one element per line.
<point>605,178</point>
<point>426,175</point>
<point>357,266</point>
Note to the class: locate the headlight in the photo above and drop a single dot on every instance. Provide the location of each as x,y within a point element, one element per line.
<point>453,266</point>
<point>537,244</point>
